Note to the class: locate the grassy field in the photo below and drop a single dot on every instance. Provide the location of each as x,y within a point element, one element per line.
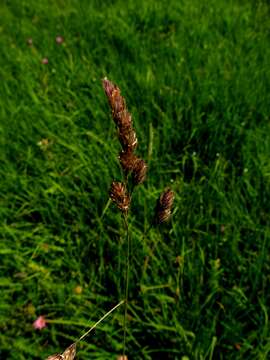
<point>196,77</point>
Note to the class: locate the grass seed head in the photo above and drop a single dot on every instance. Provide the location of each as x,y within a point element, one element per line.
<point>164,206</point>
<point>139,172</point>
<point>123,119</point>
<point>117,103</point>
<point>128,160</point>
<point>108,87</point>
<point>68,354</point>
<point>121,116</point>
<point>128,139</point>
<point>119,196</point>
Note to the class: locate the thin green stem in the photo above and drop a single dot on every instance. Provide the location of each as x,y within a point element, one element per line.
<point>99,321</point>
<point>126,283</point>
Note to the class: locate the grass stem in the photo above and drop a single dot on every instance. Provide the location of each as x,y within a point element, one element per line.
<point>126,283</point>
<point>100,320</point>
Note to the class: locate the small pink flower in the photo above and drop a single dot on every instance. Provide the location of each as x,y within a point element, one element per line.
<point>45,61</point>
<point>59,40</point>
<point>29,41</point>
<point>40,323</point>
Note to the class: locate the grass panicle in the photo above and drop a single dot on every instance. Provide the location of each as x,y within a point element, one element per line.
<point>130,163</point>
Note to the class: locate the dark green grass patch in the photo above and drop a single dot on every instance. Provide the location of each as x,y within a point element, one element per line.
<point>196,77</point>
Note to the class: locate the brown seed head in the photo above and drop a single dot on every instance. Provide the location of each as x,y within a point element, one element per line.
<point>117,103</point>
<point>139,172</point>
<point>119,196</point>
<point>164,206</point>
<point>123,119</point>
<point>108,87</point>
<point>128,160</point>
<point>68,354</point>
<point>128,139</point>
<point>121,116</point>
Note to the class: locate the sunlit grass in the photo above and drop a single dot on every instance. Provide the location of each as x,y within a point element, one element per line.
<point>196,78</point>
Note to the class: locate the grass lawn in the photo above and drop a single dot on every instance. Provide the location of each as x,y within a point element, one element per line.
<point>196,78</point>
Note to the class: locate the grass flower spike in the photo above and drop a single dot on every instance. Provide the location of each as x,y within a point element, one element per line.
<point>131,165</point>
<point>139,172</point>
<point>119,196</point>
<point>164,206</point>
<point>117,103</point>
<point>121,116</point>
<point>128,161</point>
<point>68,354</point>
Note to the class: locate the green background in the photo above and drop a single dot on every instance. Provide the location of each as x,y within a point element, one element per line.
<point>196,78</point>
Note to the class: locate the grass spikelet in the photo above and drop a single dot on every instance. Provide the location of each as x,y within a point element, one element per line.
<point>122,118</point>
<point>68,354</point>
<point>128,161</point>
<point>119,196</point>
<point>164,206</point>
<point>139,172</point>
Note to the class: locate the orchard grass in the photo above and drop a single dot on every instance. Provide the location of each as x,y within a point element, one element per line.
<point>196,78</point>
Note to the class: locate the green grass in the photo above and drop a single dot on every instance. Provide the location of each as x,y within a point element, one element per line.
<point>196,77</point>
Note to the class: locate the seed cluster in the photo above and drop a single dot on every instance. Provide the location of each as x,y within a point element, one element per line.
<point>68,354</point>
<point>164,206</point>
<point>130,163</point>
<point>119,196</point>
